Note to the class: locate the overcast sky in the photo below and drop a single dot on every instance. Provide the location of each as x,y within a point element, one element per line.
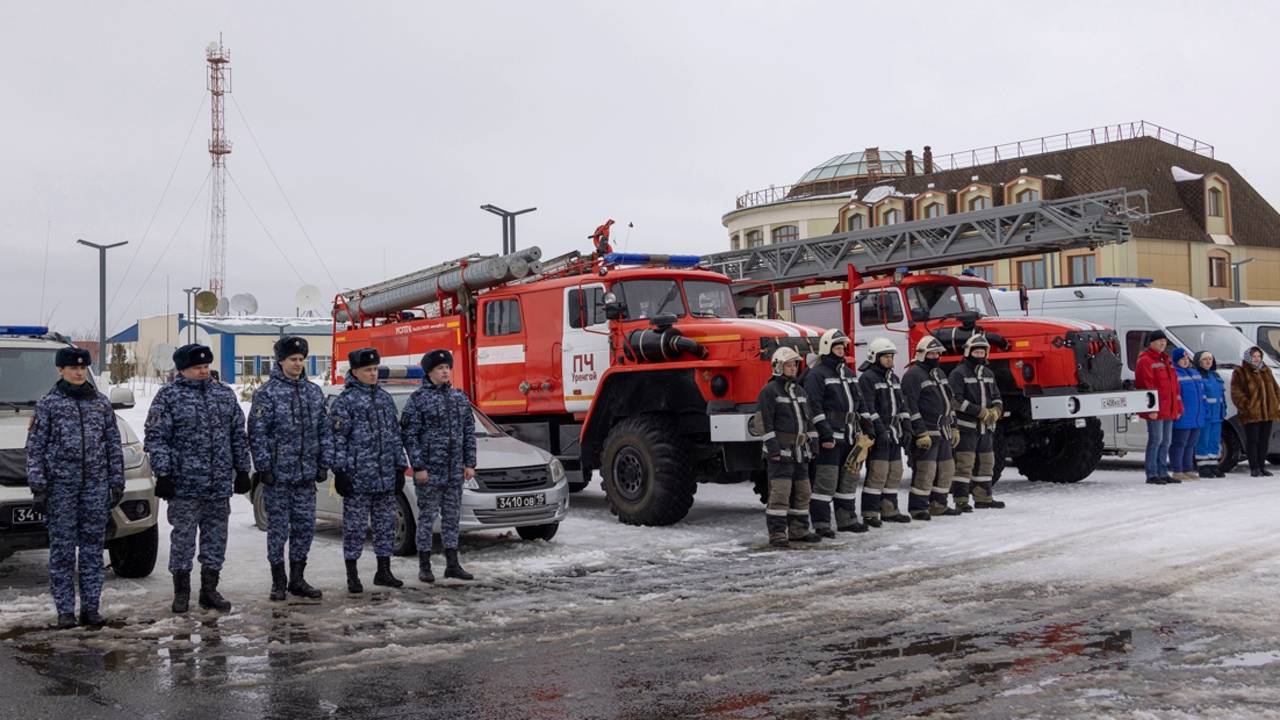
<point>389,123</point>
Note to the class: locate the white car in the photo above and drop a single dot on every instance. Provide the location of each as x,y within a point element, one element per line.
<point>27,372</point>
<point>516,485</point>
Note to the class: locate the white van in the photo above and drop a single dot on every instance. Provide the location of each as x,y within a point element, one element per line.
<point>1260,325</point>
<point>1135,310</point>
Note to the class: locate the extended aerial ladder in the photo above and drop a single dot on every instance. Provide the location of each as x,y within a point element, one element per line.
<point>1040,226</point>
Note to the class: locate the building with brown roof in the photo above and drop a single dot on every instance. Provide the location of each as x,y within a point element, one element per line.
<point>1206,216</point>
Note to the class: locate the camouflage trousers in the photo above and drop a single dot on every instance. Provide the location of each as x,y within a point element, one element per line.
<point>77,521</point>
<point>444,498</point>
<point>361,511</point>
<point>291,516</point>
<point>208,516</point>
<point>974,449</point>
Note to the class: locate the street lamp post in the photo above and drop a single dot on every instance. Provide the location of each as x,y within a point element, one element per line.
<point>102,299</point>
<point>508,225</point>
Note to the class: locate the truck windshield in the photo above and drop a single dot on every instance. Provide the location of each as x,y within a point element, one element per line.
<point>978,299</point>
<point>26,374</point>
<point>938,301</point>
<point>647,298</point>
<point>1226,343</point>
<point>708,298</point>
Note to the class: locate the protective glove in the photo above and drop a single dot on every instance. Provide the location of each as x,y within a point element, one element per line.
<point>114,496</point>
<point>924,442</point>
<point>342,483</point>
<point>322,476</point>
<point>242,483</point>
<point>993,416</point>
<point>955,437</point>
<point>164,487</point>
<point>39,502</point>
<point>264,477</point>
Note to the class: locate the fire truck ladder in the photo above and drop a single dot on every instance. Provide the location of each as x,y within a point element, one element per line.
<point>1040,226</point>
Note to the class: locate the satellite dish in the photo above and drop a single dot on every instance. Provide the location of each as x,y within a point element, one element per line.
<point>243,304</point>
<point>223,306</point>
<point>252,304</point>
<point>308,298</point>
<point>206,301</point>
<point>162,357</point>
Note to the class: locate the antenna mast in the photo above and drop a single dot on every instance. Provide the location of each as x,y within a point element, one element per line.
<point>219,83</point>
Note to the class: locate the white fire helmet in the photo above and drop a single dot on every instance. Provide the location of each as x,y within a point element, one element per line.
<point>928,344</point>
<point>830,339</point>
<point>880,346</point>
<point>978,341</point>
<point>782,356</point>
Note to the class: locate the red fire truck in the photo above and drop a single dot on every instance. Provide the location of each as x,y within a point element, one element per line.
<point>633,365</point>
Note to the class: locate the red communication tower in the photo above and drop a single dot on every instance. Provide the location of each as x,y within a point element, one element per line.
<point>219,83</point>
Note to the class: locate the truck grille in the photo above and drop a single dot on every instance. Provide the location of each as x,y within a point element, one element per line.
<point>534,477</point>
<point>13,467</point>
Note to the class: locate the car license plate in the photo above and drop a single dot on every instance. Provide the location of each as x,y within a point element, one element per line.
<point>1112,403</point>
<point>518,502</point>
<point>26,515</point>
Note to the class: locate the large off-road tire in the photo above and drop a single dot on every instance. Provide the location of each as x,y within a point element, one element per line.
<point>1231,449</point>
<point>647,478</point>
<point>134,556</point>
<point>1070,454</point>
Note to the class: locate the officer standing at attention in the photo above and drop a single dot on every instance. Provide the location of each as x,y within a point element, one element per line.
<point>979,409</point>
<point>291,442</point>
<point>368,466</point>
<point>882,391</point>
<point>838,414</point>
<point>75,469</point>
<point>195,435</point>
<point>788,438</point>
<point>439,433</point>
<point>933,424</point>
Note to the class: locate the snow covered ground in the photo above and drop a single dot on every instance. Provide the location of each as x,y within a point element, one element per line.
<point>1109,598</point>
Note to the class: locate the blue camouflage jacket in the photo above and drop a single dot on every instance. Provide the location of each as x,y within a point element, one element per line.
<point>439,431</point>
<point>73,442</point>
<point>196,437</point>
<point>289,433</point>
<point>366,441</point>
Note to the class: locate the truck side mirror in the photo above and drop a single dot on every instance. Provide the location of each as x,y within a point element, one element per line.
<point>613,309</point>
<point>121,398</point>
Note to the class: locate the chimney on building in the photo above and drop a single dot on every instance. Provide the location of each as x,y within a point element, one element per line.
<point>911,164</point>
<point>928,160</point>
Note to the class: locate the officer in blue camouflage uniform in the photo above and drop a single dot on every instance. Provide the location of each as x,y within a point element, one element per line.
<point>199,453</point>
<point>439,433</point>
<point>76,472</point>
<point>368,466</point>
<point>289,435</point>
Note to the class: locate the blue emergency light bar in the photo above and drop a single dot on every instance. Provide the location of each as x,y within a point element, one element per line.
<point>400,372</point>
<point>1140,282</point>
<point>23,330</point>
<point>648,259</point>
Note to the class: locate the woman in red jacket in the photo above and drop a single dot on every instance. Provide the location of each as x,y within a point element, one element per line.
<point>1155,371</point>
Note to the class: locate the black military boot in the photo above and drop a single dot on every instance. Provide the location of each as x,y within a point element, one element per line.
<point>181,591</point>
<point>90,617</point>
<point>384,577</point>
<point>354,586</point>
<point>279,582</point>
<point>210,598</point>
<point>452,568</point>
<point>66,621</point>
<point>853,527</point>
<point>298,584</point>
<point>989,505</point>
<point>424,568</point>
<point>872,520</point>
<point>921,515</point>
<point>777,527</point>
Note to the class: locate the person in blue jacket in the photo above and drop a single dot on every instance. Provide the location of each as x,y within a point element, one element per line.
<point>1215,407</point>
<point>1186,429</point>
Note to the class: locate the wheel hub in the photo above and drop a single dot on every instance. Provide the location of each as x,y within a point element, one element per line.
<point>629,473</point>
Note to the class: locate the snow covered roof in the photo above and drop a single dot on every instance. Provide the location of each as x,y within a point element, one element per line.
<point>263,325</point>
<point>1180,175</point>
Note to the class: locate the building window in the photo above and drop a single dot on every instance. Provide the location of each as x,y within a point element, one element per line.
<point>785,233</point>
<point>244,366</point>
<point>1215,202</point>
<point>1031,273</point>
<point>264,366</point>
<point>890,217</point>
<point>855,221</point>
<point>735,242</point>
<point>1082,269</point>
<point>979,203</point>
<point>986,272</point>
<point>1027,195</point>
<point>322,365</point>
<point>502,317</point>
<point>755,238</point>
<point>1218,272</point>
<point>933,210</point>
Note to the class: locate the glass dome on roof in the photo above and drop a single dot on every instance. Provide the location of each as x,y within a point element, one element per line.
<point>892,162</point>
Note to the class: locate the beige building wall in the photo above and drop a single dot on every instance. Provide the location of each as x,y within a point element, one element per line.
<point>813,217</point>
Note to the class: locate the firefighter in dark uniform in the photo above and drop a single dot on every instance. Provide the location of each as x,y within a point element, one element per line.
<point>788,442</point>
<point>75,468</point>
<point>838,414</point>
<point>933,425</point>
<point>882,393</point>
<point>978,410</point>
